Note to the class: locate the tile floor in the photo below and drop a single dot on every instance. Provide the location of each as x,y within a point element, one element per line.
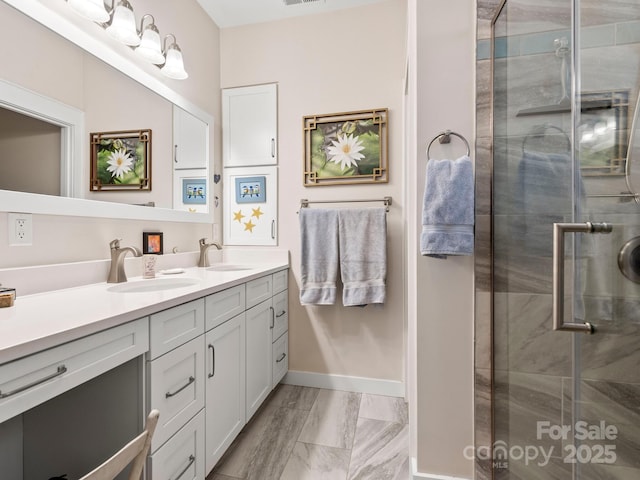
<point>303,433</point>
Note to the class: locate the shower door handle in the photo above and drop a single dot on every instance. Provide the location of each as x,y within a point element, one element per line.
<point>559,229</point>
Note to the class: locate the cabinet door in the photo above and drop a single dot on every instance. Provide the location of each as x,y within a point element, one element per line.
<point>259,352</point>
<point>250,126</point>
<point>190,141</point>
<point>225,392</point>
<point>253,219</point>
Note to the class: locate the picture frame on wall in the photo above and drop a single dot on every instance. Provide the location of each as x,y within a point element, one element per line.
<point>152,243</point>
<point>346,148</point>
<point>251,189</point>
<point>120,160</point>
<point>194,191</point>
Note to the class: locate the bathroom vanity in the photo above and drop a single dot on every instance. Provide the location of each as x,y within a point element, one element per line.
<point>204,347</point>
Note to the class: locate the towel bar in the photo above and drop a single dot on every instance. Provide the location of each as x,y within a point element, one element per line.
<point>304,203</point>
<point>445,137</point>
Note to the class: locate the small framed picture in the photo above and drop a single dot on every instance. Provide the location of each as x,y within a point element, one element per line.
<point>152,242</point>
<point>251,190</point>
<point>194,190</point>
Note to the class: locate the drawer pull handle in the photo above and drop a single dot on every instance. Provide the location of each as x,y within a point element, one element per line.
<point>213,361</point>
<point>172,394</point>
<point>281,313</point>
<point>192,459</point>
<point>61,369</point>
<point>281,358</point>
<point>273,318</point>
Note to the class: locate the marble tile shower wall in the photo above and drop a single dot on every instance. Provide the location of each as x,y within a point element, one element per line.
<point>523,370</point>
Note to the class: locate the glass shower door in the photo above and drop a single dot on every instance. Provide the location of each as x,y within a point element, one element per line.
<point>566,403</point>
<point>604,441</point>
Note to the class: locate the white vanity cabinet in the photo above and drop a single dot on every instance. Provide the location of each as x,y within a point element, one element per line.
<point>267,324</point>
<point>250,126</point>
<point>279,332</point>
<point>225,370</point>
<point>176,387</point>
<point>34,379</point>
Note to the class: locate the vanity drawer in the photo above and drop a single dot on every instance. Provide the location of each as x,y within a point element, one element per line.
<point>223,306</point>
<point>182,457</point>
<point>280,281</point>
<point>175,326</point>
<point>281,315</point>
<point>37,378</point>
<point>259,290</point>
<point>176,388</point>
<point>280,358</point>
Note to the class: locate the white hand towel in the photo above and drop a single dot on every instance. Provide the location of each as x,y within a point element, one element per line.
<point>363,255</point>
<point>319,256</point>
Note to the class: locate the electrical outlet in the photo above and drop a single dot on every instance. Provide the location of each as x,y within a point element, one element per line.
<point>20,229</point>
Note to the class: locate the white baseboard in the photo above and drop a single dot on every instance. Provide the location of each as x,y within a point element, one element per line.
<point>374,386</point>
<point>415,475</point>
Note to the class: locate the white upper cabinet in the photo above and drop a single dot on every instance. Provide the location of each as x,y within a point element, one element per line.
<point>190,141</point>
<point>250,126</point>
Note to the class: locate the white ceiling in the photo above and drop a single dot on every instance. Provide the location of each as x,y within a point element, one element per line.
<point>232,13</point>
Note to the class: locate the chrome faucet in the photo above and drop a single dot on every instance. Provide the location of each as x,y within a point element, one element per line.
<point>116,272</point>
<point>204,249</point>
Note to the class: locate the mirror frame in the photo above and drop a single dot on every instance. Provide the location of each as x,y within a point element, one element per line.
<point>52,205</point>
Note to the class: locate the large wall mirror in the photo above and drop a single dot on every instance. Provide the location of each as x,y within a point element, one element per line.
<point>61,82</point>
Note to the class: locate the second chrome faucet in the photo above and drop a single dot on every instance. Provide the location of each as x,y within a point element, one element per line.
<point>203,261</point>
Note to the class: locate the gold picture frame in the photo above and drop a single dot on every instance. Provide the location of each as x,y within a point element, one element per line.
<point>346,148</point>
<point>121,160</point>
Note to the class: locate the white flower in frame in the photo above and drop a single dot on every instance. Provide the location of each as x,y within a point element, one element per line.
<point>119,163</point>
<point>346,151</point>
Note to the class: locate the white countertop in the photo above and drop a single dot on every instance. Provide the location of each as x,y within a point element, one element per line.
<point>44,320</point>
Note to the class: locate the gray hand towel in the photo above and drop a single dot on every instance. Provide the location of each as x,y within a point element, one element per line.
<point>448,208</point>
<point>363,255</point>
<point>319,256</point>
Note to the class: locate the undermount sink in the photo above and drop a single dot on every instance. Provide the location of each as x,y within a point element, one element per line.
<point>228,267</point>
<point>153,285</point>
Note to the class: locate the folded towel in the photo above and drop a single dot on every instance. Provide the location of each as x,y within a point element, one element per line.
<point>448,208</point>
<point>363,255</point>
<point>319,256</point>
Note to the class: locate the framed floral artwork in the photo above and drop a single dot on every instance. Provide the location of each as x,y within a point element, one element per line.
<point>152,243</point>
<point>346,148</point>
<point>121,160</point>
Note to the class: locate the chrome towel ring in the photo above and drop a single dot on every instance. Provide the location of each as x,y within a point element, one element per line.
<point>445,137</point>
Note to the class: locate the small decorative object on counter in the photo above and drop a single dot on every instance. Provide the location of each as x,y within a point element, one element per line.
<point>7,297</point>
<point>149,266</point>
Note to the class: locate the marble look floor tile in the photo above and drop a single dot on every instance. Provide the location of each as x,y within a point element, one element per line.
<point>235,462</point>
<point>276,445</point>
<point>388,409</point>
<point>294,396</point>
<point>332,419</point>
<point>380,451</point>
<point>217,476</point>
<point>316,462</point>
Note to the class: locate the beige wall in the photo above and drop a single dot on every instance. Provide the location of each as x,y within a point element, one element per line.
<point>336,62</point>
<point>441,38</point>
<point>112,101</point>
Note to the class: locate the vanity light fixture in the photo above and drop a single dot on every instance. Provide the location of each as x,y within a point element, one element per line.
<point>174,66</point>
<point>150,46</point>
<point>92,9</point>
<point>123,24</point>
<point>120,23</point>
